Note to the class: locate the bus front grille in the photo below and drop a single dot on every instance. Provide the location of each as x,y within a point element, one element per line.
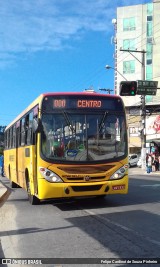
<point>82,179</point>
<point>86,188</point>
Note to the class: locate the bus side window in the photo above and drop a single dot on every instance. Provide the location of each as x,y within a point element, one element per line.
<point>11,137</point>
<point>18,134</point>
<point>29,129</point>
<point>22,132</point>
<point>5,139</point>
<point>14,136</point>
<point>18,139</point>
<point>9,140</point>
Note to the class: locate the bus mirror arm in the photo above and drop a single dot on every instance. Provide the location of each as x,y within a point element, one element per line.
<point>37,125</point>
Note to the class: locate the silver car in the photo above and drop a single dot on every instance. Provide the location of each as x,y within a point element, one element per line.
<point>133,160</point>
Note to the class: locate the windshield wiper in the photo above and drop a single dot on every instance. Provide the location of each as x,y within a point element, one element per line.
<point>102,120</point>
<point>68,122</point>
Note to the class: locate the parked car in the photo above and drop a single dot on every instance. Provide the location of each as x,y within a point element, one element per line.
<point>139,163</point>
<point>133,160</point>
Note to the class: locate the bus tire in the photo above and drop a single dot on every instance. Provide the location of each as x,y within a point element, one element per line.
<point>13,184</point>
<point>33,200</point>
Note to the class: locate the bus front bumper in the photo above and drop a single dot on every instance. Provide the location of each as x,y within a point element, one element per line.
<point>47,190</point>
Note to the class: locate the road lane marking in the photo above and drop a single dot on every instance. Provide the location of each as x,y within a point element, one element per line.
<point>132,231</point>
<point>150,185</point>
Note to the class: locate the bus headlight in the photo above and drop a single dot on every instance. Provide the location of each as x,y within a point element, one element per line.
<point>120,173</point>
<point>50,176</point>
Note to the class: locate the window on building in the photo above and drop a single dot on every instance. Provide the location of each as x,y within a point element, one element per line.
<point>149,61</point>
<point>149,72</point>
<point>149,28</point>
<point>149,51</point>
<point>129,66</point>
<point>129,44</point>
<point>149,9</point>
<point>149,98</point>
<point>129,24</point>
<point>150,40</point>
<point>149,18</point>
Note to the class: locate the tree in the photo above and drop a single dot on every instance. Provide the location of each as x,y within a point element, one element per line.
<point>2,129</point>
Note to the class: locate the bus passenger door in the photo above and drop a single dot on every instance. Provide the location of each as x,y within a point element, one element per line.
<point>20,159</point>
<point>31,154</point>
<point>18,143</point>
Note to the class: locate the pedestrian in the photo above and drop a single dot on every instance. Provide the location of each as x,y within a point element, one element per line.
<point>2,164</point>
<point>159,162</point>
<point>149,162</point>
<point>153,164</point>
<point>156,162</point>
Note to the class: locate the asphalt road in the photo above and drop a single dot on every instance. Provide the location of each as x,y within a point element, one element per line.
<point>118,226</point>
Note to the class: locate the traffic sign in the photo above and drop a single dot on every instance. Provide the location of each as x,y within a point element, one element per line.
<point>146,87</point>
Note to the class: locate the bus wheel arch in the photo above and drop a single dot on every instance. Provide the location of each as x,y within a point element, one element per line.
<point>33,200</point>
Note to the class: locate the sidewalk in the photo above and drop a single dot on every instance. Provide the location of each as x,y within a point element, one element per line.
<point>5,191</point>
<point>140,171</point>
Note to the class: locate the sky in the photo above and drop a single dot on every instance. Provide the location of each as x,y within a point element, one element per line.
<point>54,46</point>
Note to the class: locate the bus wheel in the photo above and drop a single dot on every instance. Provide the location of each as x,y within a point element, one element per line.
<point>13,185</point>
<point>33,200</point>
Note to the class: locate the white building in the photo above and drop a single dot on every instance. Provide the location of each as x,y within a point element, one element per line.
<point>137,28</point>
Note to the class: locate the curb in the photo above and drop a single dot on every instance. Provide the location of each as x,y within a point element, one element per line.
<point>5,192</point>
<point>143,172</point>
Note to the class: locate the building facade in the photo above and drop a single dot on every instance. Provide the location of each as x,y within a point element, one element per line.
<point>137,57</point>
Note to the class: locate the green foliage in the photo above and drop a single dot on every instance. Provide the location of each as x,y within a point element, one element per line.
<point>2,128</point>
<point>1,150</point>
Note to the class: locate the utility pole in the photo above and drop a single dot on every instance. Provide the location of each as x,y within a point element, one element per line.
<point>106,90</point>
<point>143,138</point>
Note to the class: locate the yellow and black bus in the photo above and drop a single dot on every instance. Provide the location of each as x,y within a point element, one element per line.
<point>68,145</point>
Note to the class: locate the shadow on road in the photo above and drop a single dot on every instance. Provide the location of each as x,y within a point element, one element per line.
<point>141,191</point>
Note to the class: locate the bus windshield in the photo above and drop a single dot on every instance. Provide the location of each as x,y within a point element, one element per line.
<point>76,135</point>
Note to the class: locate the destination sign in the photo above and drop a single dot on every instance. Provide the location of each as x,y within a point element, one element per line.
<point>51,103</point>
<point>61,103</point>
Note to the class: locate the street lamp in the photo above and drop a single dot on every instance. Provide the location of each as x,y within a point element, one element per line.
<point>109,67</point>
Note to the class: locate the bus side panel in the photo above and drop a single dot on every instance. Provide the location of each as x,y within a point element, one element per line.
<point>10,162</point>
<point>20,166</point>
<point>30,168</point>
